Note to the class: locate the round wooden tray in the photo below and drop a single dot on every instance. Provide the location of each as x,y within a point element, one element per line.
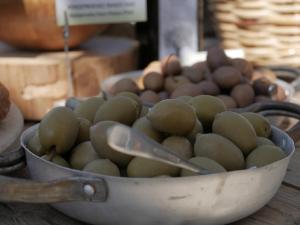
<point>10,131</point>
<point>10,128</point>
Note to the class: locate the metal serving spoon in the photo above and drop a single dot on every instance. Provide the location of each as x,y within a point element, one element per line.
<point>129,141</point>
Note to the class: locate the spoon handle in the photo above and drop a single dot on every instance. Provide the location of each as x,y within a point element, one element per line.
<point>129,141</point>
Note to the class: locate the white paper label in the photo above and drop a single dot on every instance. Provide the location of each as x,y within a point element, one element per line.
<point>100,11</point>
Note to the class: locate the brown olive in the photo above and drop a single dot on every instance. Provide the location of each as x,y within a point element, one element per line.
<point>216,58</point>
<point>193,73</point>
<point>125,84</point>
<point>209,87</point>
<point>202,68</point>
<point>245,67</point>
<point>227,77</point>
<point>149,97</point>
<point>243,94</point>
<point>171,83</point>
<point>228,101</point>
<point>264,86</point>
<point>187,89</point>
<point>153,81</point>
<point>261,98</point>
<point>171,65</point>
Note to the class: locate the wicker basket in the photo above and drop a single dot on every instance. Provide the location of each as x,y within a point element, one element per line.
<point>267,30</point>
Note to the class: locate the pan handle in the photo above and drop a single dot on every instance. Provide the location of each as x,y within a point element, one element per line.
<point>64,190</point>
<point>294,132</point>
<point>270,105</point>
<point>273,108</point>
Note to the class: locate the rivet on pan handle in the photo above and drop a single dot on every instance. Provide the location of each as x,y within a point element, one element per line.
<point>65,190</point>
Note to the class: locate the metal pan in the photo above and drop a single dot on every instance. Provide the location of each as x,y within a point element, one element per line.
<point>203,200</point>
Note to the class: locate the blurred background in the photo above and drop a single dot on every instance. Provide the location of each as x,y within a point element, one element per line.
<point>33,61</point>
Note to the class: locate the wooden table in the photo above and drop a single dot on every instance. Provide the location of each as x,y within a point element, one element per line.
<point>284,208</point>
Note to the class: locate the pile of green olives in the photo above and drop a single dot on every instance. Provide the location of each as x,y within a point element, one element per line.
<point>198,129</point>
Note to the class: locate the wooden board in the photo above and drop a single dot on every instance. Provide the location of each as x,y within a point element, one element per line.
<point>37,81</point>
<point>10,128</point>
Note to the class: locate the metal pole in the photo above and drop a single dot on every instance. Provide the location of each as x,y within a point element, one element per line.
<point>67,58</point>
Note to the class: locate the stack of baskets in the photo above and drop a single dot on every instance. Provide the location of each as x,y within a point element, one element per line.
<point>267,30</point>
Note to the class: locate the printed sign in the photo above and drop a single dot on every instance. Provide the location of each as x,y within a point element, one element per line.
<point>100,11</point>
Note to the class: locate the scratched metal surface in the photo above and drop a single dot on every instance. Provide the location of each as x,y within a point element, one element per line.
<point>284,209</point>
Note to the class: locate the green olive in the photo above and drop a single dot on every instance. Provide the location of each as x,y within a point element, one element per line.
<point>82,154</point>
<point>134,97</point>
<point>172,116</point>
<point>120,109</point>
<point>179,145</point>
<point>34,145</point>
<point>207,107</point>
<point>103,167</point>
<point>198,129</point>
<point>264,155</point>
<point>84,130</point>
<point>57,160</point>
<point>143,125</point>
<point>205,163</point>
<point>59,129</point>
<point>88,108</point>
<point>142,167</point>
<point>263,141</point>
<point>260,124</point>
<point>99,141</point>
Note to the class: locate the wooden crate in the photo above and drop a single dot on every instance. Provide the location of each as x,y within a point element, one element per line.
<point>37,81</point>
